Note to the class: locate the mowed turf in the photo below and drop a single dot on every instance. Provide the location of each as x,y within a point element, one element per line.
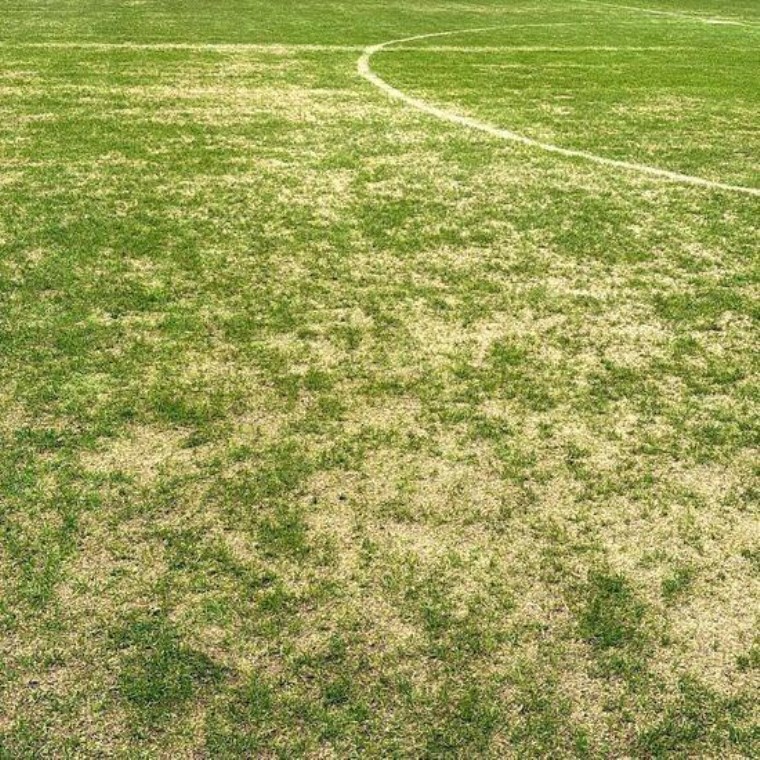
<point>329,428</point>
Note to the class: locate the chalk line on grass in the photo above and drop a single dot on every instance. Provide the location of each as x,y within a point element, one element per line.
<point>222,47</point>
<point>364,69</point>
<point>558,49</point>
<point>256,47</point>
<point>675,14</point>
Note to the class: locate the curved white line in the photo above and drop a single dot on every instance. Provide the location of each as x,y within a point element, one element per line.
<point>365,70</point>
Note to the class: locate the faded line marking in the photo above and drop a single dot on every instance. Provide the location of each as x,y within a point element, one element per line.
<point>277,48</point>
<point>555,49</point>
<point>263,47</point>
<point>676,14</point>
<point>364,69</point>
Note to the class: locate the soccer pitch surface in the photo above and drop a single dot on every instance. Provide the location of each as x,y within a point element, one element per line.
<point>378,378</point>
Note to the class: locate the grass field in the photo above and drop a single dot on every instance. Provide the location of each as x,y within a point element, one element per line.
<point>332,428</point>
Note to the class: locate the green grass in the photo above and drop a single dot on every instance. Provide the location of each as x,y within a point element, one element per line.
<point>328,428</point>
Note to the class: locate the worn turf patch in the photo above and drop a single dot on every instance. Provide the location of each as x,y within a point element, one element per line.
<point>332,429</point>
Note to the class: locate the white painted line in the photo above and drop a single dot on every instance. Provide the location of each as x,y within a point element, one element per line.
<point>364,68</point>
<point>556,49</point>
<point>675,14</point>
<point>276,48</point>
<point>263,47</point>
